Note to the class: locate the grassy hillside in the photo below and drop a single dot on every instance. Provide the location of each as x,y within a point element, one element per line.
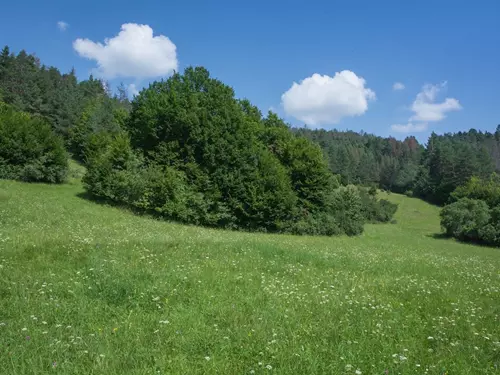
<point>91,289</point>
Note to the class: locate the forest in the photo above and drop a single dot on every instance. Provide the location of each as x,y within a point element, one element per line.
<point>187,149</point>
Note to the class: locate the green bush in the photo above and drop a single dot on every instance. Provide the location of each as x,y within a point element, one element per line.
<point>487,190</point>
<point>198,155</point>
<point>465,219</point>
<point>376,210</point>
<point>29,149</point>
<point>345,204</point>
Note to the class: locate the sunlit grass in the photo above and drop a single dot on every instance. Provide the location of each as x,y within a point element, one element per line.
<point>91,289</point>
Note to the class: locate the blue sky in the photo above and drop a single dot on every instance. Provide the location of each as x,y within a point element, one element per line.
<point>345,56</point>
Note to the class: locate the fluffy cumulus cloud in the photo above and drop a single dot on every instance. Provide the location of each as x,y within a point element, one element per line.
<point>398,86</point>
<point>134,52</point>
<point>426,108</point>
<point>409,128</point>
<point>61,25</point>
<point>323,100</point>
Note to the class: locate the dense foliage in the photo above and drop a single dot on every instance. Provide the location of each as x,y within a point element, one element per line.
<point>475,213</point>
<point>198,155</point>
<point>369,160</point>
<point>83,113</point>
<point>29,149</point>
<point>432,173</point>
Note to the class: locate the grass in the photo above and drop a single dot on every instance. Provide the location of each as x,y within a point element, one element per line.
<point>91,289</point>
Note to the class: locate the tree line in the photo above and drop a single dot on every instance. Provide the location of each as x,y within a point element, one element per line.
<point>432,172</point>
<point>185,148</point>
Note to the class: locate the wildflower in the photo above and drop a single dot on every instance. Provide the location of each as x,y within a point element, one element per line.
<point>358,372</point>
<point>348,367</point>
<point>24,329</point>
<point>430,338</point>
<point>101,355</point>
<point>44,322</point>
<point>269,367</point>
<point>115,329</point>
<point>207,358</point>
<point>402,358</point>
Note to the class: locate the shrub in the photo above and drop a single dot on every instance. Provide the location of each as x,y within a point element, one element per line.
<point>374,210</point>
<point>346,206</point>
<point>201,156</point>
<point>487,190</point>
<point>320,224</point>
<point>29,149</point>
<point>465,219</point>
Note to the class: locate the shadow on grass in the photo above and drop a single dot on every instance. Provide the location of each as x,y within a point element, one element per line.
<point>438,236</point>
<point>109,203</point>
<point>444,236</point>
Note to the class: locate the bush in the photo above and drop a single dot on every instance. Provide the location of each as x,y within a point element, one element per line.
<point>201,156</point>
<point>372,191</point>
<point>29,149</point>
<point>487,190</point>
<point>465,219</point>
<point>490,233</point>
<point>374,210</point>
<point>321,224</point>
<point>346,206</point>
<point>121,175</point>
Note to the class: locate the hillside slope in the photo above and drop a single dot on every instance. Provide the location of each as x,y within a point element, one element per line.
<point>87,288</point>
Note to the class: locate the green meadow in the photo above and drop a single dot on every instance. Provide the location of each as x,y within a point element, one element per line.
<point>86,288</point>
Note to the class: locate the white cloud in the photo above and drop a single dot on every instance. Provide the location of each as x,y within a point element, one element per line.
<point>134,52</point>
<point>426,109</point>
<point>321,99</point>
<point>398,86</point>
<point>410,127</point>
<point>61,25</point>
<point>132,90</point>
